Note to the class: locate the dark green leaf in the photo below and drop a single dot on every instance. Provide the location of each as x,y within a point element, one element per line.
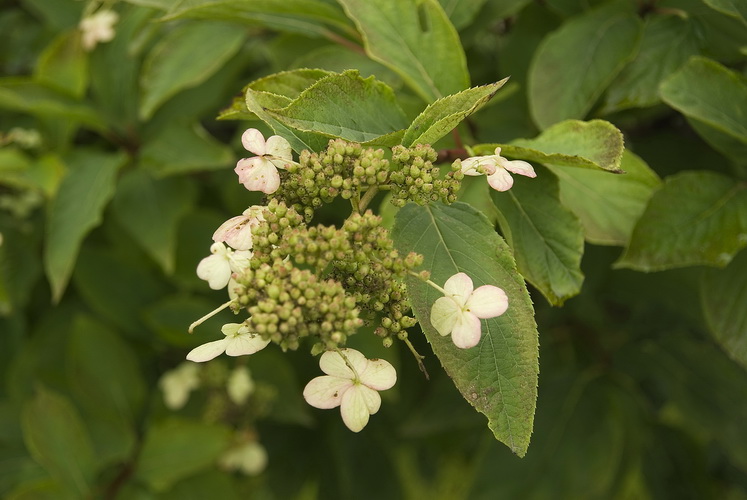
<point>63,65</point>
<point>547,238</point>
<point>575,64</point>
<point>56,437</point>
<point>723,293</point>
<point>76,209</point>
<point>499,375</point>
<point>733,8</point>
<point>414,39</point>
<point>184,58</point>
<point>441,116</point>
<point>696,218</point>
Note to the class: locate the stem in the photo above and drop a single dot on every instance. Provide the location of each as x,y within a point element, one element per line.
<point>208,316</point>
<point>413,273</point>
<point>334,37</point>
<point>418,357</point>
<point>457,138</point>
<point>367,197</point>
<point>347,362</point>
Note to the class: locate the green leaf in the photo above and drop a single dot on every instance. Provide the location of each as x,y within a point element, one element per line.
<point>185,57</point>
<point>728,145</point>
<point>182,148</point>
<point>441,116</point>
<point>723,294</point>
<point>416,40</point>
<point>63,65</point>
<point>668,41</point>
<point>345,105</point>
<point>56,437</point>
<point>608,205</point>
<point>307,17</point>
<point>733,8</point>
<point>595,145</point>
<point>499,375</point>
<point>696,218</point>
<point>547,239</point>
<point>175,449</point>
<point>75,210</point>
<point>709,92</point>
<point>574,65</point>
<point>151,209</point>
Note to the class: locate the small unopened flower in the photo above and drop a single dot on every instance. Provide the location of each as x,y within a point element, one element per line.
<point>176,384</point>
<point>218,267</point>
<point>98,27</point>
<point>240,385</point>
<point>260,173</point>
<point>351,385</point>
<point>239,341</point>
<point>459,311</point>
<point>236,232</point>
<point>248,458</point>
<point>497,169</point>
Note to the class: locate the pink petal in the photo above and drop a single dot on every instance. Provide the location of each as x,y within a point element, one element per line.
<point>459,287</point>
<point>467,331</point>
<point>258,174</point>
<point>279,148</point>
<point>471,165</point>
<point>500,180</point>
<point>379,375</point>
<point>333,364</point>
<point>208,351</point>
<point>357,404</point>
<point>236,232</point>
<point>245,343</point>
<point>444,315</point>
<point>254,141</point>
<point>487,301</point>
<point>518,167</point>
<point>326,392</point>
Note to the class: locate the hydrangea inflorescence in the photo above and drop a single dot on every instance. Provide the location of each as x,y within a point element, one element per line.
<point>297,281</point>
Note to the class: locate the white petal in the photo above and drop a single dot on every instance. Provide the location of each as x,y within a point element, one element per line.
<point>333,364</point>
<point>459,287</point>
<point>478,165</point>
<point>240,260</point>
<point>208,351</point>
<point>254,141</point>
<point>467,331</point>
<point>279,148</point>
<point>326,392</point>
<point>380,375</point>
<point>216,270</point>
<point>500,180</point>
<point>518,167</point>
<point>258,174</point>
<point>240,385</point>
<point>357,404</point>
<point>232,286</point>
<point>487,301</point>
<point>246,343</point>
<point>444,315</point>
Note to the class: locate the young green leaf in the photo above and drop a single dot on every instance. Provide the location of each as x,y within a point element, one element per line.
<point>63,65</point>
<point>56,437</point>
<point>499,375</point>
<point>723,294</point>
<point>546,238</point>
<point>574,65</point>
<point>416,40</point>
<point>441,116</point>
<point>595,145</point>
<point>696,218</point>
<point>184,58</point>
<point>709,92</point>
<point>75,210</point>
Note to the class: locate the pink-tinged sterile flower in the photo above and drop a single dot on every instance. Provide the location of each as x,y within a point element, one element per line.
<point>239,341</point>
<point>98,27</point>
<point>236,232</point>
<point>218,267</point>
<point>261,172</point>
<point>497,169</point>
<point>352,386</point>
<point>459,311</point>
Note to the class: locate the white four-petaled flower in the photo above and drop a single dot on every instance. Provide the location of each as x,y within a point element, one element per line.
<point>459,312</point>
<point>260,173</point>
<point>98,27</point>
<point>497,169</point>
<point>217,268</point>
<point>239,341</point>
<point>236,232</point>
<point>352,386</point>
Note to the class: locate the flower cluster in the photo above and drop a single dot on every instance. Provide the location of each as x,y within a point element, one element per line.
<point>414,178</point>
<point>98,27</point>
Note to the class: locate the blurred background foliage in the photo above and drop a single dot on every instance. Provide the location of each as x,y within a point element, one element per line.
<point>114,172</point>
